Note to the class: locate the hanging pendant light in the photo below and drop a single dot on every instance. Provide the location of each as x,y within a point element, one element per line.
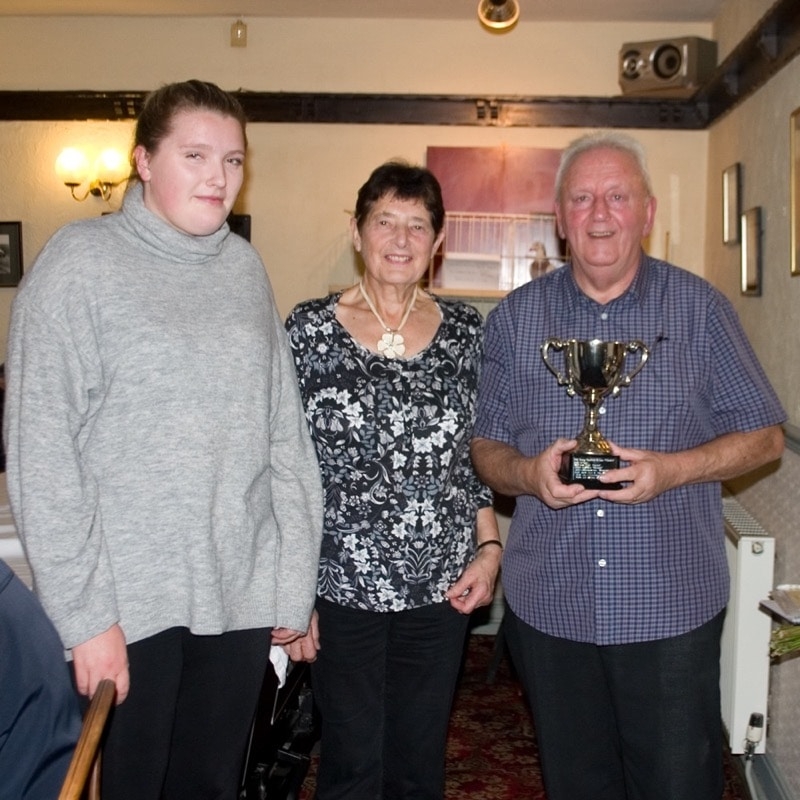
<point>498,15</point>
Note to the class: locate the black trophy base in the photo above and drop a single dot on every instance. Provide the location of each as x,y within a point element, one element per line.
<point>586,468</point>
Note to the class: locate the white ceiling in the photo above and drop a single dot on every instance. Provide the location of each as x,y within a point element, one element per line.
<point>530,10</point>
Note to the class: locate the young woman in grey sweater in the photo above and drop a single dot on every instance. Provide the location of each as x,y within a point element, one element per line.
<point>159,463</point>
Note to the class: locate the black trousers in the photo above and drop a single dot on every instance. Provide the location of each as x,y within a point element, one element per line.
<point>625,722</point>
<point>384,684</point>
<point>184,728</point>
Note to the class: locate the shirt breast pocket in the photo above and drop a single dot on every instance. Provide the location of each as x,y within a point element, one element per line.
<point>672,389</point>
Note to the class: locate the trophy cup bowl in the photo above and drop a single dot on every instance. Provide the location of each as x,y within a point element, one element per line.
<point>593,370</point>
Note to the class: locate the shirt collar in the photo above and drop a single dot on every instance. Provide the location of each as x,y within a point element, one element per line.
<point>637,291</point>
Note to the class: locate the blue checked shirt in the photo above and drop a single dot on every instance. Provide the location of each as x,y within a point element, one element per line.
<point>603,572</point>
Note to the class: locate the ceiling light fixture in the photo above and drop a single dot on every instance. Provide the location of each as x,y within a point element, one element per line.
<point>239,33</point>
<point>498,16</point>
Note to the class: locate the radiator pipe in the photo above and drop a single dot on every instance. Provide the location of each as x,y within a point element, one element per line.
<point>755,731</point>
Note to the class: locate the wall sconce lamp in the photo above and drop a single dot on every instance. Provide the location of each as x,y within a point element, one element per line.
<point>110,169</point>
<point>498,16</point>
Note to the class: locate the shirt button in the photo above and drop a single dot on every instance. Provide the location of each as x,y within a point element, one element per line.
<point>602,410</point>
<point>601,562</point>
<point>604,315</point>
<point>600,512</point>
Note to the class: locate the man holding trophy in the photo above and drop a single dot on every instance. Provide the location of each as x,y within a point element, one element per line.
<point>617,393</point>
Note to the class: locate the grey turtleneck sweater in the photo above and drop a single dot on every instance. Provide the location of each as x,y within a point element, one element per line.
<point>159,466</point>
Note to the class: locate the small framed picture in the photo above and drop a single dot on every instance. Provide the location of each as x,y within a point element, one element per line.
<point>240,224</point>
<point>751,252</point>
<point>794,181</point>
<point>10,253</point>
<point>731,178</point>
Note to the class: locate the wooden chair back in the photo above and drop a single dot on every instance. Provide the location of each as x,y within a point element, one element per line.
<point>86,758</point>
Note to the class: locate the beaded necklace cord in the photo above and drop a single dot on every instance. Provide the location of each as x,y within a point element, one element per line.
<point>392,344</point>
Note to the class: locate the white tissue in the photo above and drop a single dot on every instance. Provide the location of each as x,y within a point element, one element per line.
<point>280,663</point>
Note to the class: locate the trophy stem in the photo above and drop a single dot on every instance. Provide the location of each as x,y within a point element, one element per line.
<point>590,440</point>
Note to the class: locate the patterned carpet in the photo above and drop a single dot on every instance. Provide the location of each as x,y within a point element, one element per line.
<point>491,751</point>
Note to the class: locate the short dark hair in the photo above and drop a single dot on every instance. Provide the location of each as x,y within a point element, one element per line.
<point>406,182</point>
<point>155,120</point>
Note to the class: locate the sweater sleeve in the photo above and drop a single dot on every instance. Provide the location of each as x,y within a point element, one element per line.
<point>296,492</point>
<point>53,387</point>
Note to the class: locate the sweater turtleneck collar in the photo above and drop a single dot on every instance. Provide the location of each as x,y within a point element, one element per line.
<point>164,241</point>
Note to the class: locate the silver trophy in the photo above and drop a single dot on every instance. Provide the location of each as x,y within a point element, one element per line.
<point>592,369</point>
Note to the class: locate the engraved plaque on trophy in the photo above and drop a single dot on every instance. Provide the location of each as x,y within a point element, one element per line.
<point>593,370</point>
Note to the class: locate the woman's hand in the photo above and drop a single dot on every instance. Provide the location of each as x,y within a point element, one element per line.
<point>102,656</point>
<point>475,587</point>
<point>283,636</point>
<point>305,646</point>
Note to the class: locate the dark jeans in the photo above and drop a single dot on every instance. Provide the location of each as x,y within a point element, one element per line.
<point>625,722</point>
<point>384,684</point>
<point>183,731</point>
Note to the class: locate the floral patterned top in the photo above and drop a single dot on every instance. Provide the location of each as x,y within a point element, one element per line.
<point>392,437</point>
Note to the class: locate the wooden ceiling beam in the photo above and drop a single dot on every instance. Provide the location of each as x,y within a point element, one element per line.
<point>379,109</point>
<point>772,43</point>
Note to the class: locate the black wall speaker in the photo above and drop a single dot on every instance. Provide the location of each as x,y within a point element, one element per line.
<point>670,68</point>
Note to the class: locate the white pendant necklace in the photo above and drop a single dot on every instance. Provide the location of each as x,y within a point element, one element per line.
<point>391,344</point>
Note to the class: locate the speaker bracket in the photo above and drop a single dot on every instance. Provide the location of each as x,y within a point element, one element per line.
<point>768,40</point>
<point>730,80</point>
<point>488,111</point>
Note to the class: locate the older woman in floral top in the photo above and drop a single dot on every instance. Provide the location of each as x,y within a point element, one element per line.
<point>388,375</point>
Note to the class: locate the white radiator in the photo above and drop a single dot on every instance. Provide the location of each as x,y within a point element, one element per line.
<point>744,678</point>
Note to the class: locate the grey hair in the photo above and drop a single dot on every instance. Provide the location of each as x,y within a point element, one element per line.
<point>613,140</point>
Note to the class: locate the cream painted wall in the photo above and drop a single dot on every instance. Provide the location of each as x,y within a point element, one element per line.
<point>756,135</point>
<point>735,19</point>
<point>320,55</point>
<point>303,177</point>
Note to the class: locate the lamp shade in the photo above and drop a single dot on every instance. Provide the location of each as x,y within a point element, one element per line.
<point>498,15</point>
<point>239,34</point>
<point>72,167</point>
<point>111,166</point>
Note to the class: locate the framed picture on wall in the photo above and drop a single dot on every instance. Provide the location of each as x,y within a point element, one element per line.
<point>731,212</point>
<point>10,253</point>
<point>751,252</point>
<point>240,224</point>
<point>794,188</point>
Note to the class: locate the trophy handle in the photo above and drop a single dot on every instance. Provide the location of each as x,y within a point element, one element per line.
<point>554,344</point>
<point>632,347</point>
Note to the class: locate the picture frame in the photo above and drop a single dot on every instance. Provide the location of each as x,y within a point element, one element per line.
<point>240,224</point>
<point>10,253</point>
<point>751,252</point>
<point>794,181</point>
<point>731,211</point>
